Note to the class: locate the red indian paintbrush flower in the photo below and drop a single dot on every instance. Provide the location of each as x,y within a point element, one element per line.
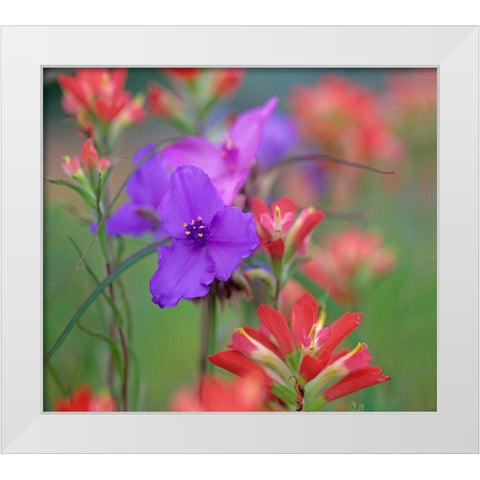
<point>348,259</point>
<point>96,98</point>
<point>86,169</point>
<point>301,359</point>
<point>281,232</point>
<point>218,395</point>
<point>83,400</point>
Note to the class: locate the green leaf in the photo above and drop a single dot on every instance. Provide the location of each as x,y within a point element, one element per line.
<point>86,195</point>
<point>111,343</point>
<point>311,286</point>
<point>284,393</point>
<point>323,157</point>
<point>134,258</point>
<point>316,405</point>
<point>56,377</point>
<point>116,312</point>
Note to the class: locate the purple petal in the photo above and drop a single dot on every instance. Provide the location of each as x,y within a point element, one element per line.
<point>247,131</point>
<point>151,181</point>
<point>130,220</point>
<point>279,135</point>
<point>184,271</point>
<point>233,236</point>
<point>191,195</point>
<point>196,151</point>
<point>229,184</point>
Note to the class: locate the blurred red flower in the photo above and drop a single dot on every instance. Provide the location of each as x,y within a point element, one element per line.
<point>226,81</point>
<point>345,119</point>
<point>184,74</point>
<point>216,394</point>
<point>348,259</point>
<point>83,400</point>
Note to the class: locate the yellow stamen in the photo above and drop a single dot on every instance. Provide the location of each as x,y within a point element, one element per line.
<point>201,226</point>
<point>199,218</point>
<point>192,222</point>
<point>200,235</point>
<point>188,232</point>
<point>278,219</point>
<point>355,350</point>
<point>184,225</point>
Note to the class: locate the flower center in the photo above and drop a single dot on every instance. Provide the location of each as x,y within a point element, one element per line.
<point>230,154</point>
<point>196,230</point>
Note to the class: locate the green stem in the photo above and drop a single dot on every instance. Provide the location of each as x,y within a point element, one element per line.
<point>213,327</point>
<point>61,386</point>
<point>323,157</point>
<point>208,333</point>
<point>132,260</point>
<point>126,365</point>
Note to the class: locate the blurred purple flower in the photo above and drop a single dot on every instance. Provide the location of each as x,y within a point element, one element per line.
<point>279,135</point>
<point>146,188</point>
<point>209,240</point>
<point>227,164</point>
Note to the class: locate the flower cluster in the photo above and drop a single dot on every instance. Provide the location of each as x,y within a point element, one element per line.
<point>348,263</point>
<point>301,363</point>
<point>88,164</point>
<point>96,98</point>
<point>89,172</point>
<point>345,119</point>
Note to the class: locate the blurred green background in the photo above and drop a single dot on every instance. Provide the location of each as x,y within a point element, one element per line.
<point>399,311</point>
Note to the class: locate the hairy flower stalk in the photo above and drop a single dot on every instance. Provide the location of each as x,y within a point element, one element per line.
<point>301,363</point>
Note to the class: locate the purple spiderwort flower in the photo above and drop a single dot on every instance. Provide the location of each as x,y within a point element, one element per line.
<point>228,164</point>
<point>279,135</point>
<point>146,188</point>
<point>209,240</point>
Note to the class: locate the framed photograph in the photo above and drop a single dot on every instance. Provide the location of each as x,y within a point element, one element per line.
<point>240,239</point>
